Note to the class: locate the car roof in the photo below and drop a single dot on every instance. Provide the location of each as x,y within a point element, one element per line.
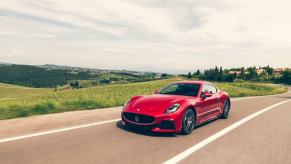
<point>196,82</point>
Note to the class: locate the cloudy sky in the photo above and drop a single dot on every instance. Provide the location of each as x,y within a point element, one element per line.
<point>155,35</point>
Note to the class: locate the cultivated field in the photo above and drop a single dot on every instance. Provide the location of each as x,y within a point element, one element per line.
<point>17,101</point>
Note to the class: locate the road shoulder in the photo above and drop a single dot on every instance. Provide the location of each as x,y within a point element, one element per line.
<point>34,124</point>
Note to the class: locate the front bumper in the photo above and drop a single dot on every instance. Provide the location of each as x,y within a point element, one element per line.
<point>161,123</point>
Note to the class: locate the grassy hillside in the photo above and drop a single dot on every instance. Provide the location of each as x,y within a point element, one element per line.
<point>54,76</point>
<point>20,101</point>
<point>9,91</point>
<point>34,76</point>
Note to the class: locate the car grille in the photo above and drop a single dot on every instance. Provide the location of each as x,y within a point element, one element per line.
<point>139,118</point>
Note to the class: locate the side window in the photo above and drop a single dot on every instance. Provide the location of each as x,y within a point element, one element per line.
<point>212,89</point>
<point>205,88</point>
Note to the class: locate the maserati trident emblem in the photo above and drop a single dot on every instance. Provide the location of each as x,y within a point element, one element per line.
<point>136,118</point>
<point>138,109</point>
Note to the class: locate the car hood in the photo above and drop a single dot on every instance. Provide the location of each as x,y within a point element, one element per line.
<point>155,104</point>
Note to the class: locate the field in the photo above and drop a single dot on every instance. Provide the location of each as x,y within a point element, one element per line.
<point>16,101</point>
<point>9,91</point>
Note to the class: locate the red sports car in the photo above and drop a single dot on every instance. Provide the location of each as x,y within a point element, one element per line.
<point>177,108</point>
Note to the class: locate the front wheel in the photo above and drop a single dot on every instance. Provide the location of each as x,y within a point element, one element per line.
<point>189,121</point>
<point>226,110</point>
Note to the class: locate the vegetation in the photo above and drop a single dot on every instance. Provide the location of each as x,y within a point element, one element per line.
<point>54,76</point>
<point>8,91</point>
<point>284,78</point>
<point>261,74</point>
<point>75,85</point>
<point>242,89</point>
<point>34,76</point>
<point>18,101</point>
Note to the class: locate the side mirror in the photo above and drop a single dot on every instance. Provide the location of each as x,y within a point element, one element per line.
<point>156,91</point>
<point>204,95</point>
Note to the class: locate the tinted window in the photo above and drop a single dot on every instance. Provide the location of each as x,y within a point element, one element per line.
<point>181,89</point>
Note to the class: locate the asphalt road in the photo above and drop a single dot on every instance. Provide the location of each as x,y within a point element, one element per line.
<point>264,139</point>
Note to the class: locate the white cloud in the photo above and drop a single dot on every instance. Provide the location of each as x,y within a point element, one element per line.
<point>131,34</point>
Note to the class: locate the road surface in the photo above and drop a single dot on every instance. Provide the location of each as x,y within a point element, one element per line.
<point>257,131</point>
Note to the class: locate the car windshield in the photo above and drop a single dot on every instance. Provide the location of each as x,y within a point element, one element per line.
<point>181,89</point>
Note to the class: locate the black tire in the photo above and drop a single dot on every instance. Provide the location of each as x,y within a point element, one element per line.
<point>188,122</point>
<point>226,110</point>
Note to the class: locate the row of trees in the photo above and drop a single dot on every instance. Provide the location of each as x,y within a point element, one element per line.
<point>249,74</point>
<point>284,78</point>
<point>216,74</point>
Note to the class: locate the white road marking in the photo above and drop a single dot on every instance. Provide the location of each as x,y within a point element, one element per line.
<point>57,131</point>
<point>219,134</point>
<point>241,98</point>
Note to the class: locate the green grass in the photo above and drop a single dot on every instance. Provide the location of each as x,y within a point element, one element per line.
<point>18,101</point>
<point>250,89</point>
<point>8,91</point>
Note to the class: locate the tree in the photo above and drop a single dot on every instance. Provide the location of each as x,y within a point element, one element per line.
<point>286,77</point>
<point>252,74</point>
<point>75,85</point>
<point>198,72</point>
<point>269,70</point>
<point>229,77</point>
<point>242,73</point>
<point>164,75</point>
<point>210,74</point>
<point>263,76</point>
<point>189,75</point>
<point>220,77</point>
<point>216,73</point>
<point>105,81</point>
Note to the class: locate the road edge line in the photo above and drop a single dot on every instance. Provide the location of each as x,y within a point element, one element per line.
<point>219,134</point>
<point>56,131</point>
<point>250,97</point>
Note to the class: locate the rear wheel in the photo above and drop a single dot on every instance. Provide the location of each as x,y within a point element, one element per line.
<point>189,121</point>
<point>226,109</point>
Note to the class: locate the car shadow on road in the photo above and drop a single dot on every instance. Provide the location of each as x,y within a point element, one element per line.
<point>143,132</point>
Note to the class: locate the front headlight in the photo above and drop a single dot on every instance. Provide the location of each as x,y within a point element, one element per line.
<point>173,108</point>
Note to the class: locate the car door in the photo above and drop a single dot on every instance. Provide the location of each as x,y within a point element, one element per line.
<point>208,105</point>
<point>216,97</point>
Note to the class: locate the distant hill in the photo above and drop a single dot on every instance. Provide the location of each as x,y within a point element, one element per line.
<point>52,66</point>
<point>54,75</point>
<point>1,63</point>
<point>34,76</point>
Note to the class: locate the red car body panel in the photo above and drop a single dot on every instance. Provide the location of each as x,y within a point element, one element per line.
<point>154,107</point>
